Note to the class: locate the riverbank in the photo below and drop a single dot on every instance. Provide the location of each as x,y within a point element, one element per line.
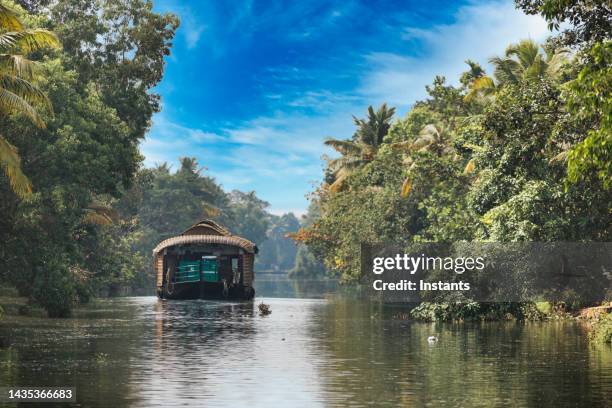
<point>599,320</point>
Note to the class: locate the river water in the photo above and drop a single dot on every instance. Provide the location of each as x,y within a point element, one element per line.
<point>308,353</point>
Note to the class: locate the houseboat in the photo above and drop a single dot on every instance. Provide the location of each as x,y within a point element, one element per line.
<point>205,262</point>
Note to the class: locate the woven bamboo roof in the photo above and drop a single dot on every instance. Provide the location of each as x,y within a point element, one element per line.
<point>207,232</point>
<point>207,227</point>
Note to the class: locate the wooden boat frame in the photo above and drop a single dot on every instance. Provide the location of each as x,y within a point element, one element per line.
<point>206,239</point>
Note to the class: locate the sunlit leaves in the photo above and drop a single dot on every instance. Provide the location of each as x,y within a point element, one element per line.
<point>590,99</point>
<point>406,187</point>
<point>11,165</point>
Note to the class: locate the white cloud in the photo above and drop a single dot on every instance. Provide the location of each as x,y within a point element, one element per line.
<point>191,27</point>
<point>167,141</point>
<point>192,35</point>
<point>479,31</point>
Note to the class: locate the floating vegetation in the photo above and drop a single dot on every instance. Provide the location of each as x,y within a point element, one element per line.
<point>264,309</point>
<point>102,358</point>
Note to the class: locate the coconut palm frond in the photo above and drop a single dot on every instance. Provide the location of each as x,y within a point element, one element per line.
<point>348,162</point>
<point>94,218</point>
<point>560,158</point>
<point>210,210</point>
<point>339,184</point>
<point>25,90</point>
<point>422,143</point>
<point>17,95</point>
<point>11,164</point>
<point>9,19</point>
<point>556,62</point>
<point>483,85</point>
<point>16,65</point>
<point>372,130</point>
<point>408,161</point>
<point>526,51</point>
<point>29,40</point>
<point>346,147</point>
<point>401,146</point>
<point>506,70</point>
<point>353,163</point>
<point>526,61</point>
<point>12,103</point>
<point>98,213</point>
<point>537,69</point>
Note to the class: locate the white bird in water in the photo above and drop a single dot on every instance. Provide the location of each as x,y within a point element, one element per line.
<point>432,339</point>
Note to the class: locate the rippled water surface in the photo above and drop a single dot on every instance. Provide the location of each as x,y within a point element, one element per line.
<point>307,353</point>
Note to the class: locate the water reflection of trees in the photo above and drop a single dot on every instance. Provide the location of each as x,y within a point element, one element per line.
<point>88,352</point>
<point>284,287</point>
<point>376,360</point>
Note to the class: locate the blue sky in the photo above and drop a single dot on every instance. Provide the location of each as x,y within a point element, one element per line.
<point>253,87</point>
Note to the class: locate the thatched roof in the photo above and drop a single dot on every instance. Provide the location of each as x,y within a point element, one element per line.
<point>207,232</point>
<point>207,227</point>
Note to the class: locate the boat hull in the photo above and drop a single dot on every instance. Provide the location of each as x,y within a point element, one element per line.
<point>206,290</point>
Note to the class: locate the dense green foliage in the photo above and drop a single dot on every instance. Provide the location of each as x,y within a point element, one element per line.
<point>602,329</point>
<point>52,247</point>
<point>18,94</point>
<point>523,155</point>
<point>306,265</point>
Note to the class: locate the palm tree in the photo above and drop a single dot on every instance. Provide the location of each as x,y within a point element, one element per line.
<point>522,62</point>
<point>432,138</point>
<point>17,93</point>
<point>362,148</point>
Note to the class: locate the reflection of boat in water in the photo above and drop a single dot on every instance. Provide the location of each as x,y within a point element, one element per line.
<point>206,261</point>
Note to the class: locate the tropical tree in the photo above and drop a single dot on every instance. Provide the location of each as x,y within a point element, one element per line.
<point>581,21</point>
<point>522,62</point>
<point>18,94</point>
<point>589,99</point>
<point>433,138</point>
<point>362,148</point>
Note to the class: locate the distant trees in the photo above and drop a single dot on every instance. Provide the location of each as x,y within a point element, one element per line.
<point>277,253</point>
<point>247,216</point>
